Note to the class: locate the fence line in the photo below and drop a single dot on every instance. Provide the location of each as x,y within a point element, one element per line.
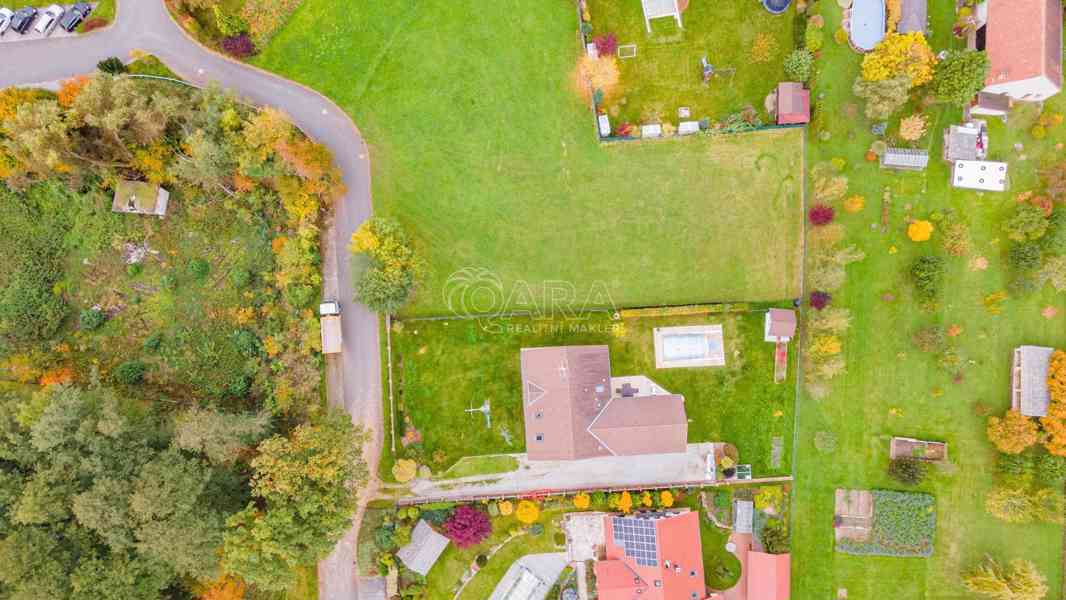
<point>747,307</point>
<point>545,492</point>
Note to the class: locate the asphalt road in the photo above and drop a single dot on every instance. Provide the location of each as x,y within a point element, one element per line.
<point>354,378</point>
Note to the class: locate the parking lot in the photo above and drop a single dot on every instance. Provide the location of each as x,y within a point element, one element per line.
<point>32,34</point>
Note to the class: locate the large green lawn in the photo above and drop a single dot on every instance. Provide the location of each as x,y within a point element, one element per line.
<point>892,389</point>
<point>666,73</point>
<point>446,367</point>
<point>479,146</point>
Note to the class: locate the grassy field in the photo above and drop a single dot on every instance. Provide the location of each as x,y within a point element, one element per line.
<point>892,389</point>
<point>666,73</point>
<point>446,367</point>
<point>480,148</point>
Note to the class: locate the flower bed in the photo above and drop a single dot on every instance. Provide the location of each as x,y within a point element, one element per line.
<point>903,525</point>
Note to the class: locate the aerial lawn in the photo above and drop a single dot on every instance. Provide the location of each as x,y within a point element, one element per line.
<point>444,368</point>
<point>480,147</point>
<point>744,43</point>
<point>890,387</point>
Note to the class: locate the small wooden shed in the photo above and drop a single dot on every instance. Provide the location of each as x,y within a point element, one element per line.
<point>140,198</point>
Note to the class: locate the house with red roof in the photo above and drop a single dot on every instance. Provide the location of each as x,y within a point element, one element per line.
<point>651,556</point>
<point>574,409</point>
<point>1023,40</point>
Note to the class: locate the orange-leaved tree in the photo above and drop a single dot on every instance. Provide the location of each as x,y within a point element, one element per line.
<point>1013,432</point>
<point>226,588</point>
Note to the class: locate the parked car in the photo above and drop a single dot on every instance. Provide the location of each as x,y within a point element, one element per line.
<point>75,16</point>
<point>49,19</point>
<point>23,19</point>
<point>5,19</point>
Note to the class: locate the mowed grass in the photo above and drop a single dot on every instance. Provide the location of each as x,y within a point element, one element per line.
<point>666,73</point>
<point>892,389</point>
<point>480,148</point>
<point>444,368</point>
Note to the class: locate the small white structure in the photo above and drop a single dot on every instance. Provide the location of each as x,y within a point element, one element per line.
<point>655,9</point>
<point>982,175</point>
<point>1029,394</point>
<point>905,159</point>
<point>688,127</point>
<point>604,123</point>
<point>695,346</point>
<point>743,516</point>
<point>780,325</point>
<point>651,131</point>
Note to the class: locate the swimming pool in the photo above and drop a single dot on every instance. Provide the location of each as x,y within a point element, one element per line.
<point>689,347</point>
<point>867,23</point>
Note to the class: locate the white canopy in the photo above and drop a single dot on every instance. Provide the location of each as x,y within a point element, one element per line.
<point>654,9</point>
<point>980,175</point>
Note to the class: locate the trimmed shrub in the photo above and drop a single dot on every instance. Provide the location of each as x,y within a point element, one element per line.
<point>798,65</point>
<point>820,300</point>
<point>821,214</point>
<point>1051,469</point>
<point>112,65</point>
<point>130,372</point>
<point>536,529</point>
<point>198,268</point>
<point>467,526</point>
<point>606,44</point>
<point>928,275</point>
<point>1025,256</point>
<point>1014,464</point>
<point>91,319</point>
<point>240,278</point>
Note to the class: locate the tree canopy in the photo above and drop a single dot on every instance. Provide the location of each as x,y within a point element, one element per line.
<point>960,75</point>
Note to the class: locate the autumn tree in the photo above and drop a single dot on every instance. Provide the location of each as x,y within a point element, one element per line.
<point>883,96</point>
<point>468,526</point>
<point>900,54</point>
<point>527,512</point>
<point>1012,433</point>
<point>592,75</point>
<point>304,486</point>
<point>219,436</point>
<point>1018,580</point>
<point>391,275</point>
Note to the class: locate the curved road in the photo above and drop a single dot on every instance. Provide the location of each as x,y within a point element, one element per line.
<point>354,379</point>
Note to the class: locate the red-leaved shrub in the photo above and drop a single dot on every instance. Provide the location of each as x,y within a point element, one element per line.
<point>238,46</point>
<point>467,526</point>
<point>820,300</point>
<point>606,44</point>
<point>820,214</point>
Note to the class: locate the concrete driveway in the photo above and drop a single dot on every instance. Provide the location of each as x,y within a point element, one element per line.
<point>353,379</point>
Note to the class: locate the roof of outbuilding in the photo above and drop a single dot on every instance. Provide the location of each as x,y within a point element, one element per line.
<point>913,16</point>
<point>769,576</point>
<point>905,157</point>
<point>425,547</point>
<point>1034,364</point>
<point>782,322</point>
<point>793,103</point>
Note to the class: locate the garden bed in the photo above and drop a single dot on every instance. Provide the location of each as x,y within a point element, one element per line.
<point>903,525</point>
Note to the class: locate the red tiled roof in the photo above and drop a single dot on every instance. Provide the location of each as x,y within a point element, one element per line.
<point>769,576</point>
<point>1024,40</point>
<point>569,413</point>
<point>793,103</point>
<point>677,544</point>
<point>782,322</point>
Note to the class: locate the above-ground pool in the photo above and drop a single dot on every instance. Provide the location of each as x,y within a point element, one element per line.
<point>776,7</point>
<point>867,26</point>
<point>689,347</point>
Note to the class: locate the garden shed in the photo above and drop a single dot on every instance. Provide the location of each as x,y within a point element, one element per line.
<point>1029,393</point>
<point>655,9</point>
<point>905,159</point>
<point>140,198</point>
<point>780,325</point>
<point>425,547</point>
<point>968,141</point>
<point>982,175</point>
<point>793,103</point>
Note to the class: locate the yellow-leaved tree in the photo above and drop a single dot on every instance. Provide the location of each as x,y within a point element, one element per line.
<point>1019,580</point>
<point>527,512</point>
<point>920,231</point>
<point>1012,433</point>
<point>581,501</point>
<point>666,498</point>
<point>900,54</point>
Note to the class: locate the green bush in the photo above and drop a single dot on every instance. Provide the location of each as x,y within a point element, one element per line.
<point>1054,240</point>
<point>300,296</point>
<point>28,308</point>
<point>1028,223</point>
<point>246,342</point>
<point>1014,464</point>
<point>929,339</point>
<point>908,471</point>
<point>798,65</point>
<point>1025,256</point>
<point>130,372</point>
<point>928,275</point>
<point>775,537</point>
<point>153,342</point>
<point>240,278</point>
<point>228,24</point>
<point>1051,469</point>
<point>91,319</point>
<point>134,269</point>
<point>239,386</point>
<point>169,282</point>
<point>198,268</point>
<point>536,529</point>
<point>813,39</point>
<point>112,65</point>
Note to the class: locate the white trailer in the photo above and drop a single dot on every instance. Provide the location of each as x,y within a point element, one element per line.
<point>332,336</point>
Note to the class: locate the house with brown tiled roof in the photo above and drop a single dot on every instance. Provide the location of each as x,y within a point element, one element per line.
<point>1023,39</point>
<point>574,409</point>
<point>651,556</point>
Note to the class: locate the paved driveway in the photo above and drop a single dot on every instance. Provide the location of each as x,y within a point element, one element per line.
<point>354,379</point>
